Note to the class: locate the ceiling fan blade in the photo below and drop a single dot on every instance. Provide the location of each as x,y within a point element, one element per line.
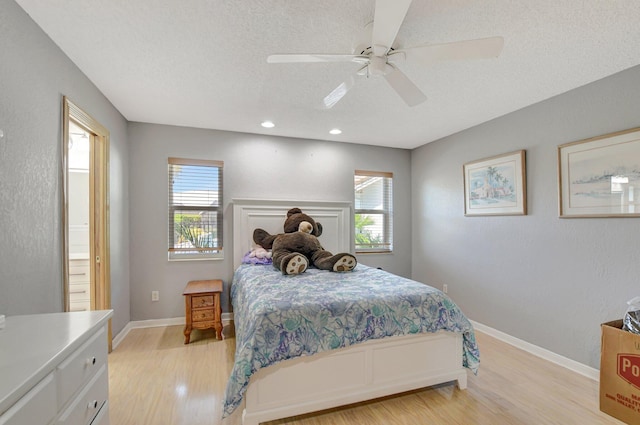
<point>338,93</point>
<point>388,17</point>
<point>312,57</point>
<point>482,48</point>
<point>408,91</point>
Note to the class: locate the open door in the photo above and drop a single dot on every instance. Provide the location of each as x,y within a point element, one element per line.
<point>85,147</point>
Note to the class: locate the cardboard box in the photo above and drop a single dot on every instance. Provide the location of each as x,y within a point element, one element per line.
<point>620,373</point>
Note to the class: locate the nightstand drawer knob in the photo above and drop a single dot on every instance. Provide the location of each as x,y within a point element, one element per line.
<point>93,404</point>
<point>91,361</point>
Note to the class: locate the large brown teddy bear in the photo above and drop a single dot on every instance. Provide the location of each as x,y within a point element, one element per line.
<point>298,246</point>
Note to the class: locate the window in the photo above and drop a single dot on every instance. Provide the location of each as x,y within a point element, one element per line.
<point>373,211</point>
<point>195,209</point>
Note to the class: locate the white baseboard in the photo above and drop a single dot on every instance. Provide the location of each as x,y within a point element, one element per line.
<point>227,318</point>
<point>543,353</point>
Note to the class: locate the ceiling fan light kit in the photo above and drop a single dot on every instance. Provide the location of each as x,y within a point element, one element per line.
<point>381,57</point>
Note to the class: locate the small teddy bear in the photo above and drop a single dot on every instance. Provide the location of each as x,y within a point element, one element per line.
<point>259,252</point>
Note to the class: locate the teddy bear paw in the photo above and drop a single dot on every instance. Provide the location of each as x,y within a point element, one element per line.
<point>297,265</point>
<point>346,263</point>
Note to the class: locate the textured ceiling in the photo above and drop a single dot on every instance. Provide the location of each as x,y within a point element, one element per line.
<point>202,63</point>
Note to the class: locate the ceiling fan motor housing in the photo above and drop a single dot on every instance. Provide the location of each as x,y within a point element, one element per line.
<point>378,65</point>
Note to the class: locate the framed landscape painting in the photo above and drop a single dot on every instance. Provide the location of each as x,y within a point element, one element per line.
<point>496,185</point>
<point>600,177</point>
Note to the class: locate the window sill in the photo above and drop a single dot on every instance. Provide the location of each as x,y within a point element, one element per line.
<point>171,260</point>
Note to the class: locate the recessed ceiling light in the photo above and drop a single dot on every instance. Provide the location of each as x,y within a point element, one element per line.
<point>268,124</point>
<point>335,131</point>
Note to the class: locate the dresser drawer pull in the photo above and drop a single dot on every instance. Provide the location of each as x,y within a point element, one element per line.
<point>78,292</point>
<point>93,404</point>
<point>77,274</point>
<point>91,361</point>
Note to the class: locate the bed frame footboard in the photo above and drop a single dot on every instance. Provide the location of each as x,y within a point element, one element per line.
<point>361,372</point>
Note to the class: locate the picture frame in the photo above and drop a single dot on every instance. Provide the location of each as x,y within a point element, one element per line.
<point>496,185</point>
<point>600,176</point>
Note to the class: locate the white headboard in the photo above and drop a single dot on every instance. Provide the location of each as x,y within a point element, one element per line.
<point>250,214</point>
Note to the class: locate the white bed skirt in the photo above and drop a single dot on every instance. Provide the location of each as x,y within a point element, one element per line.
<point>361,372</point>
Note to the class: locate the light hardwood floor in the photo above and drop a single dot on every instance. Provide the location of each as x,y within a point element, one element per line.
<point>155,379</point>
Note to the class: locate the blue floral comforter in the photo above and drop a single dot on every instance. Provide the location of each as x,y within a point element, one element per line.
<point>280,317</point>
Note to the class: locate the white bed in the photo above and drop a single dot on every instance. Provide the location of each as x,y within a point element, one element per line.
<point>360,372</point>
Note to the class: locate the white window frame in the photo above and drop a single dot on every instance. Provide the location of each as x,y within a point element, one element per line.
<point>385,210</point>
<point>191,254</point>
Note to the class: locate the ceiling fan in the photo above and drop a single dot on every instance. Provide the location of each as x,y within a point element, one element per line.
<point>381,58</point>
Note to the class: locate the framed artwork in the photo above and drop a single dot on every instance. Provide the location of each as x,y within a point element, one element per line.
<point>600,177</point>
<point>496,185</point>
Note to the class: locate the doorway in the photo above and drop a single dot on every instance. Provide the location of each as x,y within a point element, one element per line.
<point>87,284</point>
<point>81,288</point>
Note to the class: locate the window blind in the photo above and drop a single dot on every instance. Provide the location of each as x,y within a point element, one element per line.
<point>373,211</point>
<point>195,208</point>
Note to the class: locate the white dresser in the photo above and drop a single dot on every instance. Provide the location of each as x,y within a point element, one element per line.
<point>53,369</point>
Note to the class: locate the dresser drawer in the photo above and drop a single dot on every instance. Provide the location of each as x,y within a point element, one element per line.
<point>79,291</point>
<point>74,371</point>
<point>102,418</point>
<point>202,301</point>
<point>89,402</point>
<point>79,273</point>
<point>38,406</point>
<point>80,297</point>
<point>83,305</point>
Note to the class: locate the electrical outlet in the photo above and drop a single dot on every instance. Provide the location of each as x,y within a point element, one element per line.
<point>445,288</point>
<point>155,296</point>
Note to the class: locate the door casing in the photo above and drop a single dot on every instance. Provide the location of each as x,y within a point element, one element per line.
<point>98,208</point>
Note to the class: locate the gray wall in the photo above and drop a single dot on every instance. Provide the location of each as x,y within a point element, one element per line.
<point>546,280</point>
<point>259,167</point>
<point>34,75</point>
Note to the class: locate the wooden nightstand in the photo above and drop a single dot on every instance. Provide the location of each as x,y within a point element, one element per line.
<point>203,310</point>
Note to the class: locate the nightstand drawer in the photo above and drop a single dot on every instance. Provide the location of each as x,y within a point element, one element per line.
<point>208,324</point>
<point>202,301</point>
<point>202,315</point>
